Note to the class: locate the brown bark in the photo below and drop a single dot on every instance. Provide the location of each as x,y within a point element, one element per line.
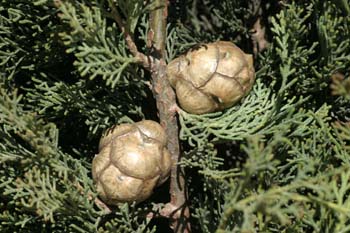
<point>258,31</point>
<point>177,209</point>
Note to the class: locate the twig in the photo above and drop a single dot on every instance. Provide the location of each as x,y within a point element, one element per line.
<point>177,209</point>
<point>258,31</point>
<point>146,61</point>
<point>102,206</point>
<point>258,35</point>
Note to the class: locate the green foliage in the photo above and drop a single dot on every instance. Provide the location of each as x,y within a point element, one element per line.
<point>333,29</point>
<point>28,38</point>
<point>132,10</point>
<point>57,100</point>
<point>126,220</point>
<point>286,137</point>
<point>99,48</point>
<point>46,184</point>
<point>40,183</point>
<point>276,162</point>
<point>30,160</point>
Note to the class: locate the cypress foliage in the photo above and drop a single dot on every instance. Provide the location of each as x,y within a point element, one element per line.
<point>279,161</point>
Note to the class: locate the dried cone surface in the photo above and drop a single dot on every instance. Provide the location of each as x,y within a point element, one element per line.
<point>212,77</point>
<point>132,160</point>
